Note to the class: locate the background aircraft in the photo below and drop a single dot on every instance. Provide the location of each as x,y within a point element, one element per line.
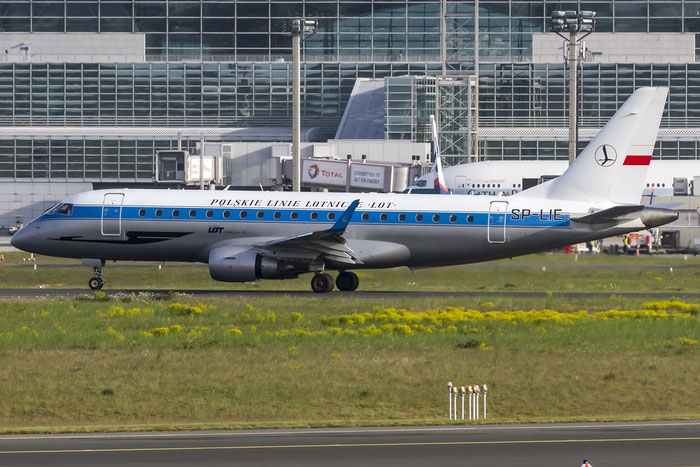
<point>246,236</point>
<point>509,177</point>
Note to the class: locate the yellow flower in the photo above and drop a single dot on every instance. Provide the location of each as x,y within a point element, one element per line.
<point>234,331</point>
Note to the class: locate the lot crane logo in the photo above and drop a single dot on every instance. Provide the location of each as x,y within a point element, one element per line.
<point>605,155</point>
<point>313,171</point>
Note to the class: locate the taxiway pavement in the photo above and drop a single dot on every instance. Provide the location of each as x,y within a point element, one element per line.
<point>635,444</point>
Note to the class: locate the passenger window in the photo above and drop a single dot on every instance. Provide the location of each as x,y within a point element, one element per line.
<point>314,215</point>
<point>295,215</point>
<point>65,209</point>
<point>365,217</point>
<point>159,213</point>
<point>436,218</point>
<point>470,219</point>
<point>402,217</point>
<point>453,218</point>
<point>331,216</point>
<point>244,214</point>
<point>142,212</point>
<point>210,213</point>
<point>261,214</point>
<point>382,217</point>
<point>193,213</point>
<point>419,217</point>
<point>227,214</point>
<point>278,214</point>
<point>176,213</point>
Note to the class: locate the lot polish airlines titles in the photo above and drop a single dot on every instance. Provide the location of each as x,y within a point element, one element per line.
<point>279,203</point>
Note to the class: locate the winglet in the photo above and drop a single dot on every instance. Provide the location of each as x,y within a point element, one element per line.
<point>342,223</point>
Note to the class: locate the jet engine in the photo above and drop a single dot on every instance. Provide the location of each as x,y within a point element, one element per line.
<point>229,264</point>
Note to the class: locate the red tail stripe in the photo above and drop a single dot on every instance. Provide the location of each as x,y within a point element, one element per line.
<point>637,160</point>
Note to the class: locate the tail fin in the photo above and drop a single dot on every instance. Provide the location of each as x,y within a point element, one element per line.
<point>439,181</point>
<point>614,165</point>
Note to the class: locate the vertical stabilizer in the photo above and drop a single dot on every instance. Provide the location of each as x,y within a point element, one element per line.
<point>614,165</point>
<point>439,179</point>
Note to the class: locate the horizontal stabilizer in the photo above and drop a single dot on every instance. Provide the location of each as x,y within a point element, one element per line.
<point>609,215</point>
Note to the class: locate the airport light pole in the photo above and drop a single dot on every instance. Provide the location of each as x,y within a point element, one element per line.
<point>299,28</point>
<point>574,23</point>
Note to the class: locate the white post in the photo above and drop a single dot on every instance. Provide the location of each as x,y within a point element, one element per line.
<point>462,392</point>
<point>471,402</point>
<point>449,396</point>
<point>201,161</point>
<point>476,402</point>
<point>573,97</point>
<point>296,104</point>
<point>454,394</point>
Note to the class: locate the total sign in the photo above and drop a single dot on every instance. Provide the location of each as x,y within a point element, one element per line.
<point>320,172</point>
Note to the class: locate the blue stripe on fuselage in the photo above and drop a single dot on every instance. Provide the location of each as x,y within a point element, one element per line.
<point>131,213</point>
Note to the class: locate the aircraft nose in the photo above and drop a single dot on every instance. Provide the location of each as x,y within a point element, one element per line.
<point>23,238</point>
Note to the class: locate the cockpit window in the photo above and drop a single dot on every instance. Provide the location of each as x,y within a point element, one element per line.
<point>52,209</point>
<point>66,209</point>
<point>421,182</point>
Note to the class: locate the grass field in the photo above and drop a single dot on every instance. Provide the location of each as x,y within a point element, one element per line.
<point>173,361</point>
<point>543,273</point>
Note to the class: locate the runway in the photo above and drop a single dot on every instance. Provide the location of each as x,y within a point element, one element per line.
<point>28,293</point>
<point>652,444</point>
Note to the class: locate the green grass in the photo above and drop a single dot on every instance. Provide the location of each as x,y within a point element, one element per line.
<point>533,273</point>
<point>99,363</point>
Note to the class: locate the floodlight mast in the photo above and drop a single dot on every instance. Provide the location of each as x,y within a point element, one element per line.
<point>574,23</point>
<point>299,28</point>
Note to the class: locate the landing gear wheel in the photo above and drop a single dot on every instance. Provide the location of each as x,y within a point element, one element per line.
<point>347,281</point>
<point>96,283</point>
<point>322,283</point>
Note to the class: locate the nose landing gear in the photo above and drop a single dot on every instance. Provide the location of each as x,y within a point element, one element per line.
<point>96,282</point>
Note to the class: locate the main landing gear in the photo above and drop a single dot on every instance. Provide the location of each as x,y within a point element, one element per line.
<point>346,281</point>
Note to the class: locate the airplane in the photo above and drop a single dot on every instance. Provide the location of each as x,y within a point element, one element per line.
<point>246,236</point>
<point>510,177</point>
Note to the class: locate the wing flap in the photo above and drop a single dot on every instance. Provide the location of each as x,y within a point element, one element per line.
<point>328,244</point>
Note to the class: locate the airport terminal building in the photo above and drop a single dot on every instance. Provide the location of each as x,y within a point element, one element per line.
<point>90,91</point>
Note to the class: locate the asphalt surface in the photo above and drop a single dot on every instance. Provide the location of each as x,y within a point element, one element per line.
<point>28,293</point>
<point>652,444</point>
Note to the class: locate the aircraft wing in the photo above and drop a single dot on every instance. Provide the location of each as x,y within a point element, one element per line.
<point>330,244</point>
<point>612,214</point>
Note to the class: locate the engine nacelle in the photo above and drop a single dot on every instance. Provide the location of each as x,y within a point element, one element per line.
<point>229,264</point>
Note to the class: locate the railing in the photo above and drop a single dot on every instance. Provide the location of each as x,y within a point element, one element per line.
<point>197,58</point>
<point>146,121</point>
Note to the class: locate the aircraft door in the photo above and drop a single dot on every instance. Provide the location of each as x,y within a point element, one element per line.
<point>496,228</point>
<point>111,223</point>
